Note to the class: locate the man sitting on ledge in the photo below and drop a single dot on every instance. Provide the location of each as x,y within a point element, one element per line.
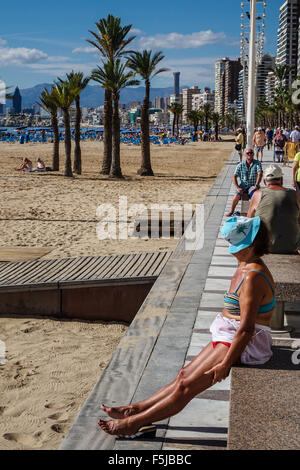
<point>249,173</point>
<point>279,208</point>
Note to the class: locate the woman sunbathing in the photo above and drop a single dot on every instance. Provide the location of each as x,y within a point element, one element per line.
<point>26,165</point>
<point>240,334</point>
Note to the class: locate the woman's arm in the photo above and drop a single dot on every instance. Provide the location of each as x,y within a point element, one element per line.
<point>249,305</point>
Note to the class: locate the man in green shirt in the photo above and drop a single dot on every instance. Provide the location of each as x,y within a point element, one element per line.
<point>296,173</point>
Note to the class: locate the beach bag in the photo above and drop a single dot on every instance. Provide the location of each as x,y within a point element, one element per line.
<point>238,147</point>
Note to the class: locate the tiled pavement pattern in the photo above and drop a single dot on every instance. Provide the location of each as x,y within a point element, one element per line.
<point>203,424</point>
<point>211,408</point>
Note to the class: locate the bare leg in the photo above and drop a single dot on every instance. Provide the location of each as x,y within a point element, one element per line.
<point>234,203</point>
<point>188,385</point>
<point>129,410</point>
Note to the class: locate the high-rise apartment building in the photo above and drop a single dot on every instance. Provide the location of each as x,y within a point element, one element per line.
<point>231,89</point>
<point>287,38</point>
<point>187,96</point>
<point>176,83</point>
<point>226,84</point>
<point>159,103</point>
<point>206,97</point>
<point>17,101</point>
<point>219,85</point>
<point>263,69</point>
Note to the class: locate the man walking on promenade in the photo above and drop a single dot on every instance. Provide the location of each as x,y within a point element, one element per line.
<point>239,143</point>
<point>258,142</point>
<point>269,137</point>
<point>295,135</point>
<point>279,144</point>
<point>246,178</point>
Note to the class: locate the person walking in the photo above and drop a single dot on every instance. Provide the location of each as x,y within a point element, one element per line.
<point>269,137</point>
<point>279,144</point>
<point>239,142</point>
<point>295,135</point>
<point>259,142</point>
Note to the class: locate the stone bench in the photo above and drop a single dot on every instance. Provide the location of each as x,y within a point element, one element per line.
<point>264,402</point>
<point>286,273</point>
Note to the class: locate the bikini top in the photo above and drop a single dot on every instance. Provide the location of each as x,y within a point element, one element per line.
<point>232,300</point>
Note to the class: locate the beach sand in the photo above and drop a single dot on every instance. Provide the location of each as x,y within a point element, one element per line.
<point>51,365</point>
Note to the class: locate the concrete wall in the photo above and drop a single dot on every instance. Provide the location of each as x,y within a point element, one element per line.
<point>105,302</point>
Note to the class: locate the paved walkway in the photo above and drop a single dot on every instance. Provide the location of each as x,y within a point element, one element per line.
<point>211,408</point>
<point>178,324</point>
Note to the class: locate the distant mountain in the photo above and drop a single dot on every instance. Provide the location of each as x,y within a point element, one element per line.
<point>93,95</point>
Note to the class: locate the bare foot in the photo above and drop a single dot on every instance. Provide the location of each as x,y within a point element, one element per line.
<point>229,214</point>
<point>120,427</point>
<point>119,412</point>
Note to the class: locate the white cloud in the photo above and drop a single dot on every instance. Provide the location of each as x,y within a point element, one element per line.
<point>181,41</point>
<point>190,61</point>
<point>59,69</point>
<point>86,50</point>
<point>2,42</point>
<point>136,31</point>
<point>20,56</point>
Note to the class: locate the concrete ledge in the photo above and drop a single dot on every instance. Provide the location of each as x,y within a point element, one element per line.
<point>156,344</point>
<point>264,403</point>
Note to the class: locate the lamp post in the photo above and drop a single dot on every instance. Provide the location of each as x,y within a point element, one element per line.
<point>251,75</point>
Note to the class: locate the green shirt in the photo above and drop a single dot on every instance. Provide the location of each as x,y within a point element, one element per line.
<point>297,159</point>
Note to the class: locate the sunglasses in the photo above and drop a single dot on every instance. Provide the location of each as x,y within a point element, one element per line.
<point>249,153</point>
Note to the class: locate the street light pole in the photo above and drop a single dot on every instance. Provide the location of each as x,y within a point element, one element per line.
<point>251,75</point>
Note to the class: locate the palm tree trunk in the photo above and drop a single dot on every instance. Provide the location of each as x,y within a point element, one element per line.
<point>173,125</point>
<point>68,162</point>
<point>115,170</point>
<point>145,169</point>
<point>107,153</point>
<point>77,151</point>
<point>217,131</point>
<point>177,124</point>
<point>55,155</point>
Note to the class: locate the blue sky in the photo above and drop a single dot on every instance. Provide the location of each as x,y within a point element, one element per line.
<point>42,40</point>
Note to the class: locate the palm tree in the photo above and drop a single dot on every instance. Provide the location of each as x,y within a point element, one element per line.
<point>110,40</point>
<point>79,82</point>
<point>49,104</point>
<point>194,117</point>
<point>144,64</point>
<point>64,95</point>
<point>173,109</point>
<point>206,109</point>
<point>281,73</point>
<point>179,111</point>
<point>216,119</point>
<point>113,77</point>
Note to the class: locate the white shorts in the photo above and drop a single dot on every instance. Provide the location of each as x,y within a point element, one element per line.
<point>259,348</point>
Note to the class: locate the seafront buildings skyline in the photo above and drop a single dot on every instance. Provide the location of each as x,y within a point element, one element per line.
<point>231,83</point>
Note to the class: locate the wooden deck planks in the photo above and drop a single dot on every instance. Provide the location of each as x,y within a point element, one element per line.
<point>83,269</point>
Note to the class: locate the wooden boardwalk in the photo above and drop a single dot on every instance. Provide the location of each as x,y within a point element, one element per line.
<point>86,269</point>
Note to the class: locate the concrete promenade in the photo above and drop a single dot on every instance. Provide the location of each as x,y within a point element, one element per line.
<point>169,330</point>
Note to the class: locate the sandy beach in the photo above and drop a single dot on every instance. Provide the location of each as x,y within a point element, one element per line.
<point>51,366</point>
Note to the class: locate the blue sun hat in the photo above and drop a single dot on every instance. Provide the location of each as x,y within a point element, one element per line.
<point>240,232</point>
